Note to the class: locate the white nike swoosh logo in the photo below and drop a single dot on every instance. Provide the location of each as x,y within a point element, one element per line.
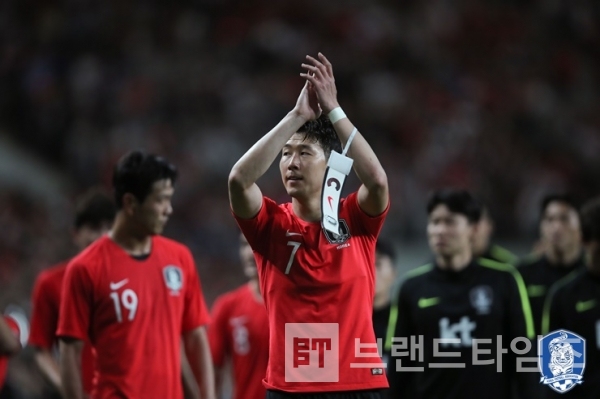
<point>289,234</point>
<point>116,286</point>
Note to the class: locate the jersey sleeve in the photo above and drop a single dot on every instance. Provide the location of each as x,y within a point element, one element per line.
<point>217,332</point>
<point>76,303</point>
<point>44,315</point>
<point>255,228</point>
<point>195,313</point>
<point>371,224</point>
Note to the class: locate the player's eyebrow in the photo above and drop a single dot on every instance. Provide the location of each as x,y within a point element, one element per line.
<point>301,146</point>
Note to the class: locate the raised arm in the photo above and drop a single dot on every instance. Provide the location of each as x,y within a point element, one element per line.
<point>373,195</point>
<point>244,195</point>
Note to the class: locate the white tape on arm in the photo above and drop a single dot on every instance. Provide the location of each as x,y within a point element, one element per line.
<point>336,115</point>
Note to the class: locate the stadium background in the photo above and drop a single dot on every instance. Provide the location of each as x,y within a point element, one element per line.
<point>501,97</point>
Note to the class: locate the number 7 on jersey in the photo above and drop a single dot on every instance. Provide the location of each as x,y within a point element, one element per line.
<point>296,245</point>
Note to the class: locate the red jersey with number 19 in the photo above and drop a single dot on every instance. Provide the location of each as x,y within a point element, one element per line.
<point>134,312</point>
<point>318,290</point>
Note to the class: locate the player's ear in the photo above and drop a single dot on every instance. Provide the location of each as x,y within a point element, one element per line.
<point>130,203</point>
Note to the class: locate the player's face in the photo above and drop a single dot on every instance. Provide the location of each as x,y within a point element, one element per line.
<point>154,212</point>
<point>85,235</point>
<point>384,274</point>
<point>560,229</point>
<point>449,233</point>
<point>247,258</point>
<point>302,167</point>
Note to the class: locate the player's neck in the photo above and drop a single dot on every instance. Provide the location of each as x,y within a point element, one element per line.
<point>308,209</point>
<point>455,262</point>
<point>381,300</point>
<point>255,289</point>
<point>129,238</point>
<point>563,258</point>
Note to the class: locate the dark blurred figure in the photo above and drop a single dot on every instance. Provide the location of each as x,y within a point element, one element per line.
<point>385,276</point>
<point>560,239</point>
<point>482,245</point>
<point>574,304</point>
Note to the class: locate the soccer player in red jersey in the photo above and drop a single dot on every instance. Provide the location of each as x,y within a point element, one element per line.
<point>239,330</point>
<point>94,215</point>
<point>318,287</point>
<point>135,295</point>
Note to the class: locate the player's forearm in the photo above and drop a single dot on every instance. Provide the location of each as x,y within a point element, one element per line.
<point>190,388</point>
<point>49,368</point>
<point>257,160</point>
<point>70,369</point>
<point>366,165</point>
<point>9,343</point>
<point>198,353</point>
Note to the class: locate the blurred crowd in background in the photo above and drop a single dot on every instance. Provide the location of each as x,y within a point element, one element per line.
<point>499,96</point>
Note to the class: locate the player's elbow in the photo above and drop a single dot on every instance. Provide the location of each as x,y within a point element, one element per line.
<point>378,181</point>
<point>236,181</point>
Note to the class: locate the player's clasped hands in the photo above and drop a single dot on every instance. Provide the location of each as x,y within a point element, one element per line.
<point>321,82</point>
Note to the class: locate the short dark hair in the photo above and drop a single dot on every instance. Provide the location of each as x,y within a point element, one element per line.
<point>94,208</point>
<point>137,171</point>
<point>386,248</point>
<point>562,198</point>
<point>590,220</point>
<point>321,130</point>
<point>458,201</point>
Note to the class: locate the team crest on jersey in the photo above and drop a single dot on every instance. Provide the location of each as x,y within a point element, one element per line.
<point>561,360</point>
<point>482,298</point>
<point>338,238</point>
<point>173,278</point>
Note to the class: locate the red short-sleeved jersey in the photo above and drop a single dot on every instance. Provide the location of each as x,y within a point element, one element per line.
<point>44,319</point>
<point>4,359</point>
<point>240,329</point>
<point>318,285</point>
<point>134,312</point>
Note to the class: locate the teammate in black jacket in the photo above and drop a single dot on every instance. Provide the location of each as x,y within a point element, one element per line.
<point>574,304</point>
<point>461,301</point>
<point>560,233</point>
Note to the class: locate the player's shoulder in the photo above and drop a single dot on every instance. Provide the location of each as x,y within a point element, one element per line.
<point>163,242</point>
<point>417,275</point>
<point>53,273</point>
<point>570,283</point>
<point>495,266</point>
<point>93,255</point>
<point>501,254</point>
<point>500,270</point>
<point>230,299</point>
